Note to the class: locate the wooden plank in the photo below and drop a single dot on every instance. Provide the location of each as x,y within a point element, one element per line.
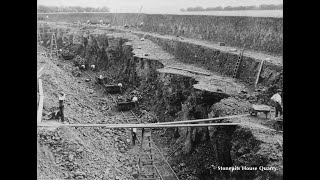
<point>192,71</point>
<point>258,107</point>
<point>39,115</point>
<point>260,68</point>
<point>203,120</point>
<point>150,125</point>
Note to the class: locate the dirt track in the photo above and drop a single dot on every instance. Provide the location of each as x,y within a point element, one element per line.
<point>256,55</point>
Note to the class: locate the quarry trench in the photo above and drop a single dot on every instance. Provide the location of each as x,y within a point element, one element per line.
<point>167,94</point>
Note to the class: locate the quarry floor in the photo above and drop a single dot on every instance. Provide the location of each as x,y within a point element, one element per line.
<point>98,153</point>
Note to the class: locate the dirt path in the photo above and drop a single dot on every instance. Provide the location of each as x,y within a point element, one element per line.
<point>249,53</point>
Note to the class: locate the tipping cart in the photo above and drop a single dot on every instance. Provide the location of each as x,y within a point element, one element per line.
<point>255,109</point>
<point>112,89</point>
<point>125,105</point>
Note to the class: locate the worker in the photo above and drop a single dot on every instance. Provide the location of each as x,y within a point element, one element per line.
<point>120,85</point>
<point>135,100</point>
<point>88,21</point>
<point>276,98</point>
<point>141,24</point>
<point>100,79</point>
<point>101,21</point>
<point>134,135</point>
<point>62,96</point>
<point>93,67</point>
<point>83,67</point>
<point>47,17</point>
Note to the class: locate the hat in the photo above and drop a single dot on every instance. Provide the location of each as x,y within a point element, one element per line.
<point>134,99</point>
<point>279,90</point>
<point>120,84</point>
<point>100,76</point>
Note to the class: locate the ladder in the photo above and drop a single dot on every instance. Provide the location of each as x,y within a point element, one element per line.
<point>39,32</point>
<point>53,46</point>
<point>235,70</point>
<point>38,37</point>
<point>146,165</point>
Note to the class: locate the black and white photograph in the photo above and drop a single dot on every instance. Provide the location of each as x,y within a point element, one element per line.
<point>159,90</point>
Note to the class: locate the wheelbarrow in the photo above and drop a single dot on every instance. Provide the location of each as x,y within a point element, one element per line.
<point>255,109</point>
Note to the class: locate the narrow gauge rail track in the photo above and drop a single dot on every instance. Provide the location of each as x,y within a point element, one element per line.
<point>162,167</point>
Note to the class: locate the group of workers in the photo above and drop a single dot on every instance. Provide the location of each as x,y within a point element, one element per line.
<point>92,67</point>
<point>100,21</point>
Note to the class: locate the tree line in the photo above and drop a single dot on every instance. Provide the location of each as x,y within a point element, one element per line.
<point>55,9</point>
<point>235,8</point>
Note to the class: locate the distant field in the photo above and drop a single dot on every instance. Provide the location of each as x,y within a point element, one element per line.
<point>262,34</point>
<point>252,13</point>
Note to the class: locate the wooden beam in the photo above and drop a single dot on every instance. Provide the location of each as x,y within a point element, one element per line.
<point>203,120</point>
<point>260,68</point>
<point>150,125</point>
<point>192,71</point>
<point>39,115</point>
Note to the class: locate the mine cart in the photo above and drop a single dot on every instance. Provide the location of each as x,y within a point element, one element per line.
<point>255,109</point>
<point>125,105</point>
<point>112,89</point>
<point>66,54</point>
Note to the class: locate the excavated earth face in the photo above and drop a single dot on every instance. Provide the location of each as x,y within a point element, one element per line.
<point>168,93</point>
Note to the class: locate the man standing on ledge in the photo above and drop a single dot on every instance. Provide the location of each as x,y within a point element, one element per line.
<point>134,135</point>
<point>276,98</point>
<point>62,96</point>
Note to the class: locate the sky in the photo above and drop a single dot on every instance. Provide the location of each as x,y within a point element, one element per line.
<point>154,6</point>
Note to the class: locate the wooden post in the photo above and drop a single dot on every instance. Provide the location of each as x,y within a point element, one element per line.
<point>260,68</point>
<point>39,115</point>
